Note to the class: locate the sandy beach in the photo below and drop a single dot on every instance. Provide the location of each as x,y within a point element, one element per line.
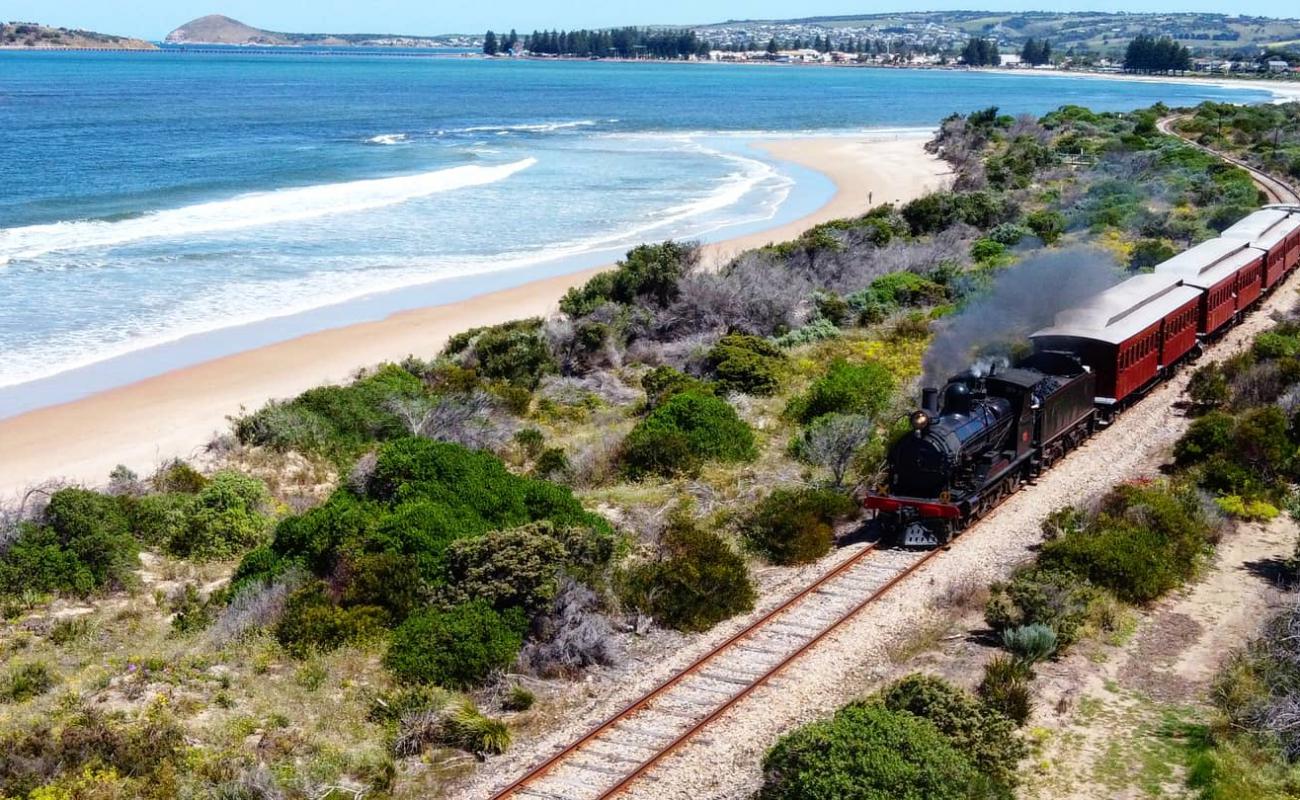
<point>174,414</point>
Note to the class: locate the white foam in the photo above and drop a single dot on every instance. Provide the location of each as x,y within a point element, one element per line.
<point>249,210</point>
<point>529,127</point>
<point>388,138</point>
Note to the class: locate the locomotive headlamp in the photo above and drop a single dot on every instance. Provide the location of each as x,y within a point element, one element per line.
<point>920,420</point>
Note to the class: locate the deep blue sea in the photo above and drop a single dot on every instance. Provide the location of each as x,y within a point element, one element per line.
<point>151,197</point>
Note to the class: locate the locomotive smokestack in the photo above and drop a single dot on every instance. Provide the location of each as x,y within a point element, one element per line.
<point>930,401</point>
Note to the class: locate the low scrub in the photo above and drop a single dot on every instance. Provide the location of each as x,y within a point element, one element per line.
<point>871,752</point>
<point>456,648</point>
<point>845,389</point>
<point>81,544</point>
<point>687,430</point>
<point>696,581</point>
<point>746,364</point>
<point>796,526</point>
<point>514,352</point>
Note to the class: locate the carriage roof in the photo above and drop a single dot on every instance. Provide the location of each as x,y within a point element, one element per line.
<point>1124,310</point>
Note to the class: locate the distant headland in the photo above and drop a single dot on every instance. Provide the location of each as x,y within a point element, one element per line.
<point>218,29</point>
<point>31,36</point>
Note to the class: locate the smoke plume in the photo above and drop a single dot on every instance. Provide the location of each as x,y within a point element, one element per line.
<point>1022,299</point>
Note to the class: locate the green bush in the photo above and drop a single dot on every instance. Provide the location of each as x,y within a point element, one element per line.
<point>648,272</point>
<point>663,382</point>
<point>177,476</point>
<point>551,464</point>
<point>1206,437</point>
<point>687,429</point>
<point>867,752</point>
<point>520,568</point>
<point>1005,688</point>
<point>26,681</point>
<point>334,421</point>
<point>897,290</point>
<point>520,698</point>
<point>987,250</point>
<point>159,519</point>
<point>796,526</point>
<point>531,441</point>
<point>845,389</point>
<point>83,544</point>
<point>1046,225</point>
<point>987,738</point>
<point>227,517</point>
<point>746,364</point>
<point>695,582</point>
<point>1208,387</point>
<point>1149,252</point>
<point>1062,602</point>
<point>1008,234</point>
<point>312,622</point>
<point>818,330</point>
<point>1030,643</point>
<point>514,351</point>
<point>458,648</point>
<point>1145,541</point>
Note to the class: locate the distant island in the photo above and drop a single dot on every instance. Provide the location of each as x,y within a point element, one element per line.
<point>31,36</point>
<point>218,29</point>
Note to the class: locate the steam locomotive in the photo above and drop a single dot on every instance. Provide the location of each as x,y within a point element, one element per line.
<point>990,430</point>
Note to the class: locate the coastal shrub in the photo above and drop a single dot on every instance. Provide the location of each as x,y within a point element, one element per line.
<point>1206,437</point>
<point>82,544</point>
<point>987,250</point>
<point>1030,643</point>
<point>90,753</point>
<point>335,421</point>
<point>818,330</point>
<point>1046,225</point>
<point>648,272</point>
<point>387,549</point>
<point>552,463</point>
<point>457,648</point>
<point>514,352</point>
<point>1008,234</point>
<point>1251,510</point>
<point>227,517</point>
<point>1005,688</point>
<point>845,389</point>
<point>983,735</point>
<point>663,382</point>
<point>531,441</point>
<point>520,698</point>
<point>939,211</point>
<point>1149,252</point>
<point>520,568</point>
<point>1145,540</point>
<point>795,526</point>
<point>831,307</point>
<point>312,622</point>
<point>177,476</point>
<point>25,681</point>
<point>696,580</point>
<point>1208,386</point>
<point>745,364</point>
<point>159,519</point>
<point>1034,596</point>
<point>834,441</point>
<point>687,429</point>
<point>869,752</point>
<point>470,729</point>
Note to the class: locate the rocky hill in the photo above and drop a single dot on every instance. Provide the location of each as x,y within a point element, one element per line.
<point>218,29</point>
<point>31,36</point>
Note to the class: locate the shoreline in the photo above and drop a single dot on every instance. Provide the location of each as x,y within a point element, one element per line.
<point>175,413</point>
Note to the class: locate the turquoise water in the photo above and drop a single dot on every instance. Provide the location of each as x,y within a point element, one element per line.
<point>152,199</point>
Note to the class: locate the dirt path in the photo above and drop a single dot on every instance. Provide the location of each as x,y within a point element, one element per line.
<point>1109,717</point>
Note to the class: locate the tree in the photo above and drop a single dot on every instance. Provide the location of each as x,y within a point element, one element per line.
<point>490,46</point>
<point>1036,52</point>
<point>1148,54</point>
<point>771,47</point>
<point>981,53</point>
<point>833,440</point>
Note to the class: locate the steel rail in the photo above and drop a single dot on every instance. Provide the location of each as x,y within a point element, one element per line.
<point>1278,190</point>
<point>644,700</point>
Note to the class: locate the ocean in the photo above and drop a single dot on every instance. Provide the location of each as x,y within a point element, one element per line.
<point>163,207</point>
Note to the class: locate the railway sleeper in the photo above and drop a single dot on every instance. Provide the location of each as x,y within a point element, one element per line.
<point>528,791</point>
<point>732,679</point>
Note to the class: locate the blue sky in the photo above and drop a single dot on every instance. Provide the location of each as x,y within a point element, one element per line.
<point>152,19</point>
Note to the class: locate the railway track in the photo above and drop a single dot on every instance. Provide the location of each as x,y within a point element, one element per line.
<point>624,747</point>
<point>1277,190</point>
<point>627,745</point>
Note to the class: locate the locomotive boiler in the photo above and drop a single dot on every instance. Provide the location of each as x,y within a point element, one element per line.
<point>977,441</point>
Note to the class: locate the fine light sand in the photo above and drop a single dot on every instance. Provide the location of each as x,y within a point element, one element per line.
<point>172,415</point>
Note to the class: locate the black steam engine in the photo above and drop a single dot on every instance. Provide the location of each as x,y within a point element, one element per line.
<point>995,429</point>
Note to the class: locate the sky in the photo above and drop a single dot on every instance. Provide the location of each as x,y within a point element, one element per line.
<point>152,19</point>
